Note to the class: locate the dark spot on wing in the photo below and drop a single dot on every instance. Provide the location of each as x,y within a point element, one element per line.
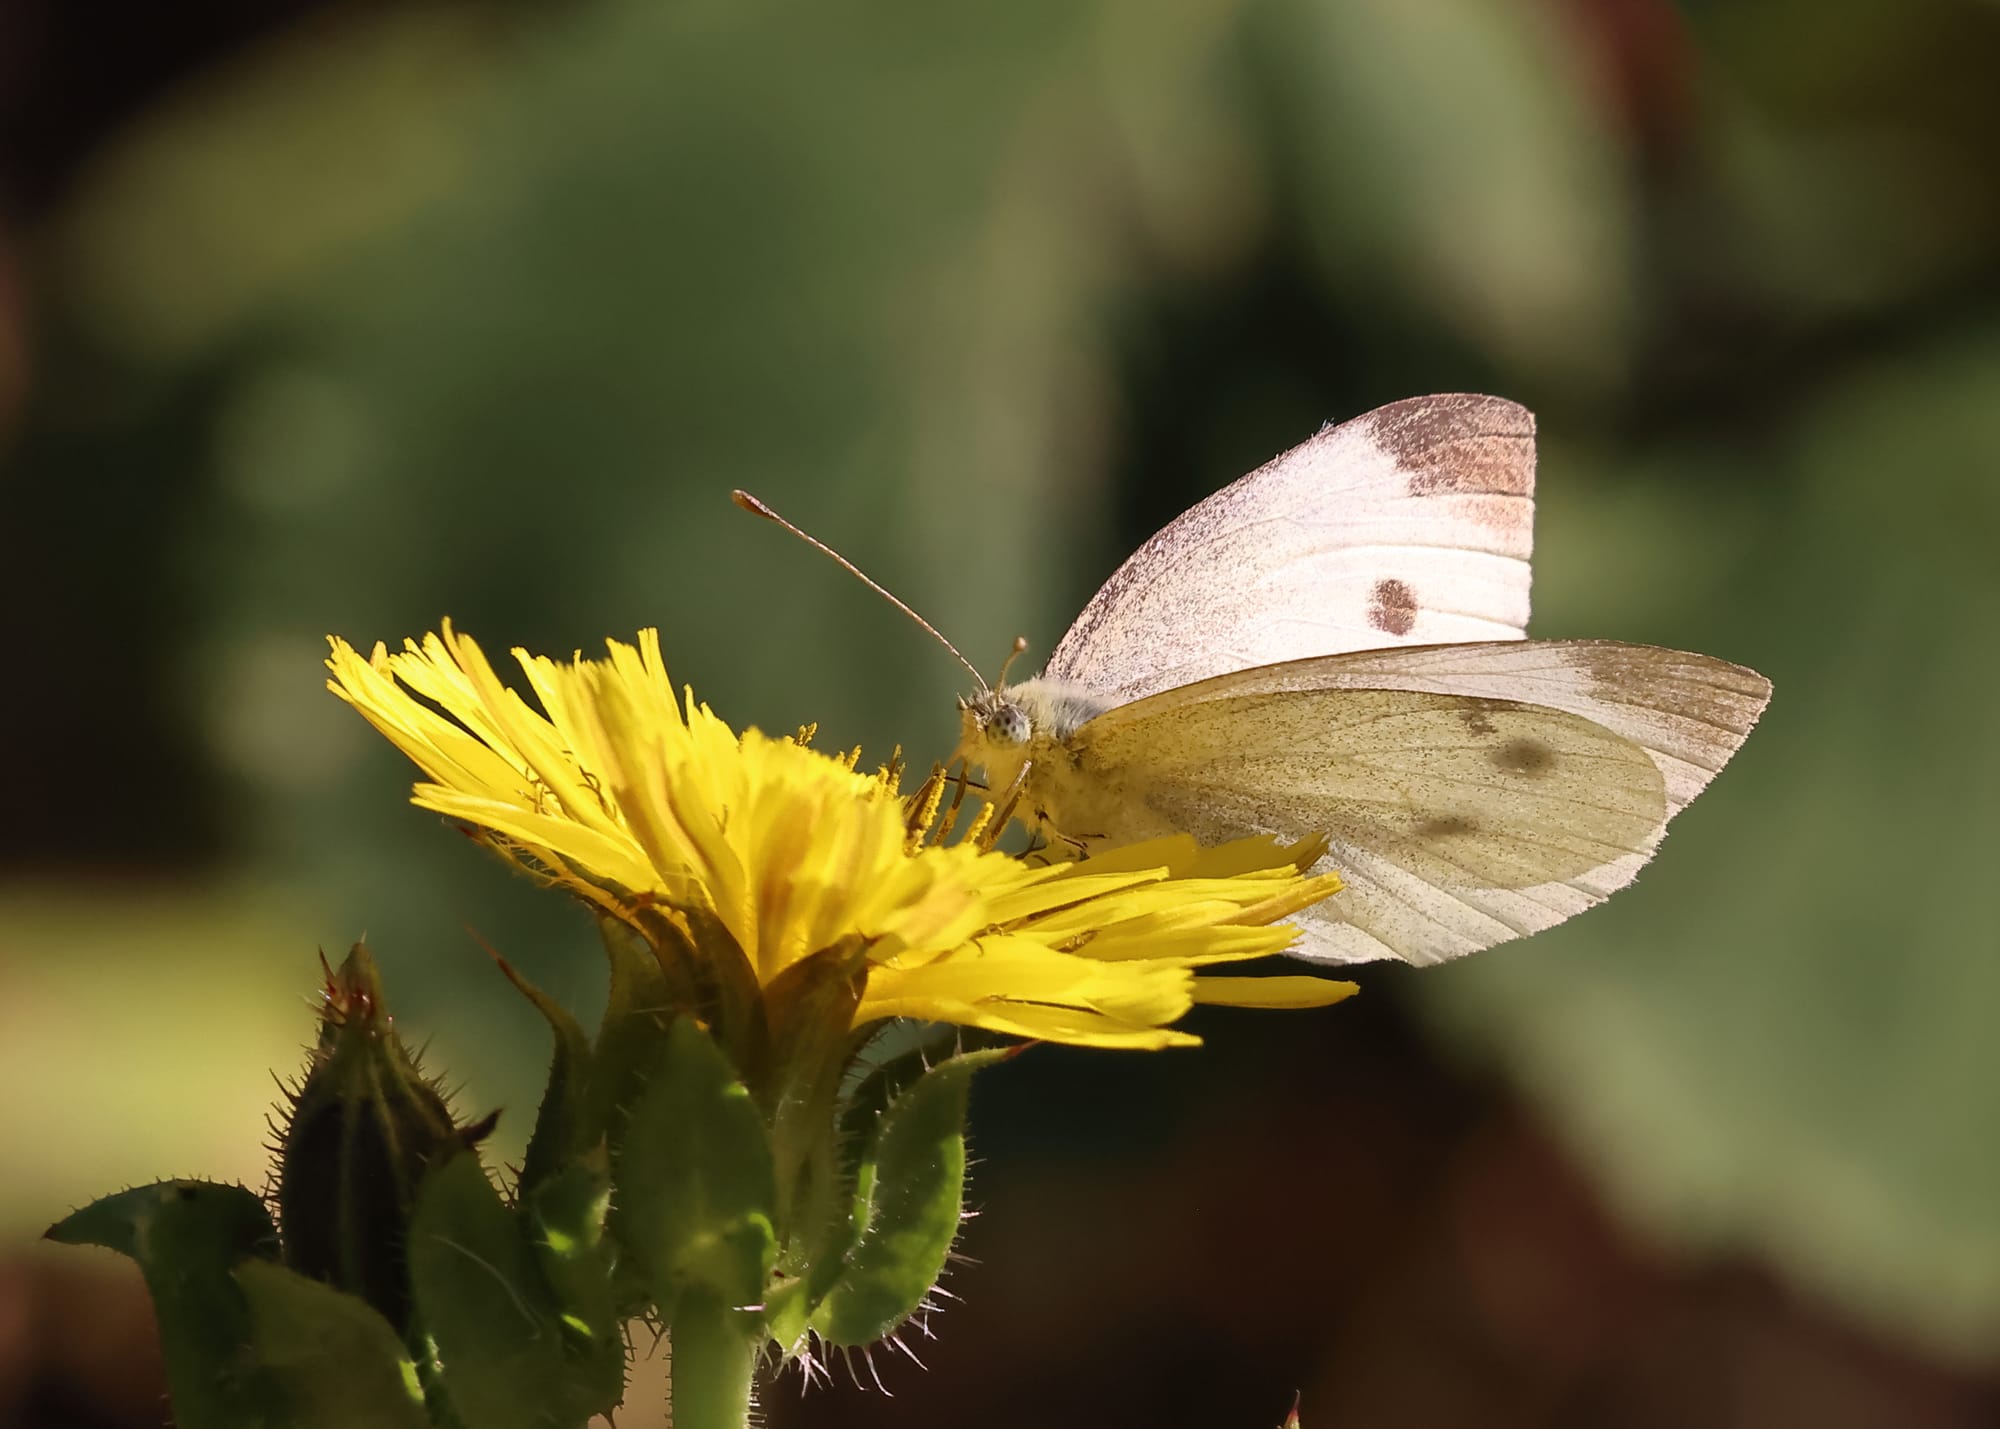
<point>1477,716</point>
<point>1446,825</point>
<point>1460,444</point>
<point>1528,757</point>
<point>1392,607</point>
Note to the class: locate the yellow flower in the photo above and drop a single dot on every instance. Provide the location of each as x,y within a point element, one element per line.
<point>636,802</point>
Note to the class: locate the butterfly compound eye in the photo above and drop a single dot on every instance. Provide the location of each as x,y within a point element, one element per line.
<point>1009,725</point>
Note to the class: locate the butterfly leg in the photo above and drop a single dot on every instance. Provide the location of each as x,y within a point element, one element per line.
<point>1004,811</point>
<point>1078,848</point>
<point>1046,846</point>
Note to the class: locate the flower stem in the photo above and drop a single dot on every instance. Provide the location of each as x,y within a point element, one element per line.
<point>714,1363</point>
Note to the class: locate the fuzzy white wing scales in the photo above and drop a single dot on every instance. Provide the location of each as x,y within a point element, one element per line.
<point>1412,524</point>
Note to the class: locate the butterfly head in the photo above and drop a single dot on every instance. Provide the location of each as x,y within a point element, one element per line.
<point>994,721</point>
<point>993,717</point>
<point>1002,735</point>
<point>998,726</point>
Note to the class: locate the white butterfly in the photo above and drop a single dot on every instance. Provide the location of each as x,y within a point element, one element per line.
<point>1335,644</point>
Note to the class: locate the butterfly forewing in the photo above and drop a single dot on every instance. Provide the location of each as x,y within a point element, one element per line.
<point>1412,524</point>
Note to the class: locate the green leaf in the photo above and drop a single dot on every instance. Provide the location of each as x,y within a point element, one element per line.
<point>693,1180</point>
<point>500,1359</point>
<point>328,1359</point>
<point>186,1237</point>
<point>909,1189</point>
<point>182,1218</point>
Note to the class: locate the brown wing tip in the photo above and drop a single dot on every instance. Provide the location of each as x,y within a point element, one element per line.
<point>1459,443</point>
<point>1474,412</point>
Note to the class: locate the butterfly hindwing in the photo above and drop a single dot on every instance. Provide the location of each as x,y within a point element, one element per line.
<point>1474,793</point>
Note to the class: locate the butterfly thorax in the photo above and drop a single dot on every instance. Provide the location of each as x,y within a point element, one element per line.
<point>1020,726</point>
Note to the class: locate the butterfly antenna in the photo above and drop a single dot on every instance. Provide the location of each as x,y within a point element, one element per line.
<point>1020,648</point>
<point>758,508</point>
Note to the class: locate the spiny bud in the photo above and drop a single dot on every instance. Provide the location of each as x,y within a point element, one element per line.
<point>363,1125</point>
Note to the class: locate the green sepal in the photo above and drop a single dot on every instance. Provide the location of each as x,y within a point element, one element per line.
<point>730,1000</point>
<point>566,1216</point>
<point>810,1009</point>
<point>186,1236</point>
<point>909,1190</point>
<point>692,1178</point>
<point>642,1000</point>
<point>326,1359</point>
<point>826,1229</point>
<point>500,1360</point>
<point>566,1126</point>
<point>685,962</point>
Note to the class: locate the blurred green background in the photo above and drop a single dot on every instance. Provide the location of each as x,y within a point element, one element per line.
<point>345,317</point>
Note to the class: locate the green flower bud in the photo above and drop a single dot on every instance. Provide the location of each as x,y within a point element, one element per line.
<point>362,1127</point>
